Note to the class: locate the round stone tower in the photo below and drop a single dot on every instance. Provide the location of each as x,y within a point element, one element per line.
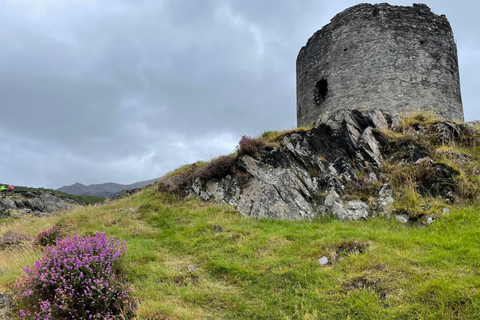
<point>392,58</point>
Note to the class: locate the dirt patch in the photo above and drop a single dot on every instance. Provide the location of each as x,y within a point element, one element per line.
<point>348,248</point>
<point>371,279</point>
<point>366,282</point>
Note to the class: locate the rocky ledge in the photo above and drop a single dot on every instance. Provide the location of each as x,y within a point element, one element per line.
<point>36,203</point>
<point>318,171</point>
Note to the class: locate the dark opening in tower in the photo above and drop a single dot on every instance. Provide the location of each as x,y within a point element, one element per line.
<point>321,90</point>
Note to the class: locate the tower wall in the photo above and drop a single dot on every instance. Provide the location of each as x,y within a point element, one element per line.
<point>393,58</point>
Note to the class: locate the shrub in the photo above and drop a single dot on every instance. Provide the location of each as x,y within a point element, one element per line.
<point>217,168</point>
<point>11,238</point>
<point>78,278</point>
<point>48,237</point>
<point>248,145</point>
<point>362,188</point>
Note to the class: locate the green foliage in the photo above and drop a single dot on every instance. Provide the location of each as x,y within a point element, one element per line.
<point>48,237</point>
<point>457,152</point>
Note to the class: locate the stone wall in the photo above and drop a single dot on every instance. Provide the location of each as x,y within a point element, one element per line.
<point>392,58</point>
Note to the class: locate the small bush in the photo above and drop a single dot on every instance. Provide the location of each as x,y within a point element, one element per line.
<point>11,238</point>
<point>248,145</point>
<point>362,188</point>
<point>217,168</point>
<point>48,237</point>
<point>78,278</point>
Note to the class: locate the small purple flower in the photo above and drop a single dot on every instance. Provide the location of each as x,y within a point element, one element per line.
<point>82,275</point>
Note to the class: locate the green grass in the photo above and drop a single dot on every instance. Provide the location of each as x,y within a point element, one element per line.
<point>268,269</point>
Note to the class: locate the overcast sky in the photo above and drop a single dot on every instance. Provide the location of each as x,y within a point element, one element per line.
<point>124,91</point>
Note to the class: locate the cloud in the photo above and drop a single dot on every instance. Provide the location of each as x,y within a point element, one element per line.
<point>122,91</point>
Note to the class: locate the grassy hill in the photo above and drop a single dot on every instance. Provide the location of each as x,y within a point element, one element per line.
<point>198,260</point>
<point>202,261</point>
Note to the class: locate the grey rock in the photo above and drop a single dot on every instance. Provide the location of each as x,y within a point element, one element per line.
<point>7,203</point>
<point>5,305</point>
<point>354,210</point>
<point>424,161</point>
<point>445,210</point>
<point>20,204</point>
<point>473,123</point>
<point>430,219</point>
<point>37,202</point>
<point>449,198</point>
<point>414,153</point>
<point>371,147</point>
<point>323,260</point>
<point>284,182</point>
<point>306,173</point>
<point>348,211</point>
<point>4,213</point>
<point>403,218</point>
<point>385,200</point>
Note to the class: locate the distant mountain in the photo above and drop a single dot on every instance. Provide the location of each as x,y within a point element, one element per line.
<point>106,190</point>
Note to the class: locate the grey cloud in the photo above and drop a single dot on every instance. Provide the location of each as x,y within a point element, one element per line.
<point>126,90</point>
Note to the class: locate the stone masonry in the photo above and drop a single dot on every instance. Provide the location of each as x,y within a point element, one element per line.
<point>391,58</point>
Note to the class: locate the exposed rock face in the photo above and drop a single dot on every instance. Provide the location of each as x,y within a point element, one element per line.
<point>308,173</point>
<point>36,203</point>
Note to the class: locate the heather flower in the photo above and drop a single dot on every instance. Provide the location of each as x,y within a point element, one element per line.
<point>77,278</point>
<point>248,145</point>
<point>48,237</point>
<point>11,238</point>
<point>217,168</point>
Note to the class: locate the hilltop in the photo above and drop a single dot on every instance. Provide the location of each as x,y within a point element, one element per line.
<point>199,259</point>
<point>354,164</point>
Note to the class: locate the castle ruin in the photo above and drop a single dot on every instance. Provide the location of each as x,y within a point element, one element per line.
<point>393,58</point>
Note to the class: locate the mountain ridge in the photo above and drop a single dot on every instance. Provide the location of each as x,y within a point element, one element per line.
<point>106,190</point>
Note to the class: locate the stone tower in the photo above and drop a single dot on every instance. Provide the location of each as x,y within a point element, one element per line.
<point>393,58</point>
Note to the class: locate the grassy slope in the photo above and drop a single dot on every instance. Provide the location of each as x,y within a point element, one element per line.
<point>266,269</point>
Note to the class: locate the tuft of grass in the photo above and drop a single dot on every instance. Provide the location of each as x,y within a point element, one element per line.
<point>188,168</point>
<point>275,137</point>
<point>419,117</point>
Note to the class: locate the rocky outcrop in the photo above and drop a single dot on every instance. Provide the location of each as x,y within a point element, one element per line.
<point>311,173</point>
<point>129,192</point>
<point>36,203</point>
